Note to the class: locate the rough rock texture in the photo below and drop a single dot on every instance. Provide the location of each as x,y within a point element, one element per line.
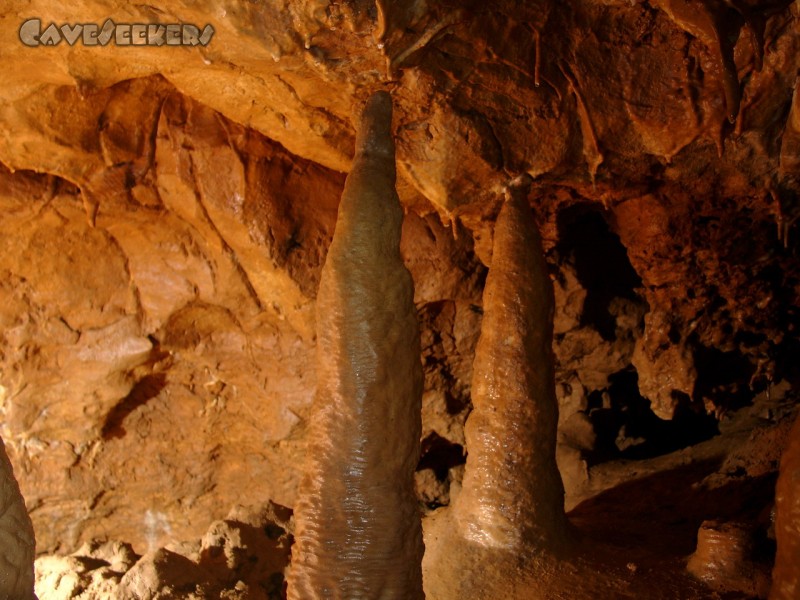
<point>167,210</point>
<point>240,557</point>
<point>145,329</point>
<point>16,536</point>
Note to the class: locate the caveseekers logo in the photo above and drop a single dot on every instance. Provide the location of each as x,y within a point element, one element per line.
<point>121,34</point>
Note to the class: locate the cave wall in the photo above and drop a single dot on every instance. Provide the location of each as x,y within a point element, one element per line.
<point>176,322</point>
<point>167,212</point>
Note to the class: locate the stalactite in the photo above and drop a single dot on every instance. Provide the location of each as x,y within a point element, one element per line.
<point>512,492</point>
<point>17,543</point>
<point>358,532</point>
<point>424,39</point>
<point>786,575</point>
<point>717,25</point>
<point>591,145</point>
<point>537,65</point>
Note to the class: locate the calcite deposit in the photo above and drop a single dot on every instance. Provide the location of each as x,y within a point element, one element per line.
<point>358,532</point>
<point>512,492</point>
<point>167,211</point>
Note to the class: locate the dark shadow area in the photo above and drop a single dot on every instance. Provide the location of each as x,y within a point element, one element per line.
<point>601,264</point>
<point>723,377</point>
<point>145,389</point>
<point>440,455</point>
<point>626,427</point>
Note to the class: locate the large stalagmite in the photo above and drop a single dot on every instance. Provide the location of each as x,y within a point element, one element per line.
<point>358,532</point>
<point>506,534</point>
<point>16,537</point>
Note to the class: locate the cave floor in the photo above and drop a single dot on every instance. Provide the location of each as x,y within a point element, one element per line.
<point>651,510</point>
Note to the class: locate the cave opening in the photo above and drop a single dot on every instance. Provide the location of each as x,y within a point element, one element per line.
<point>724,378</point>
<point>440,455</point>
<point>627,428</point>
<point>623,423</point>
<point>601,263</point>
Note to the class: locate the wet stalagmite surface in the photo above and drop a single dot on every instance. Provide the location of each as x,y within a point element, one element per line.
<point>357,532</point>
<point>512,495</point>
<point>505,534</point>
<point>507,524</point>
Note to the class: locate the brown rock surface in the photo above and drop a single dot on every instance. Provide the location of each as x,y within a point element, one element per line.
<point>242,556</point>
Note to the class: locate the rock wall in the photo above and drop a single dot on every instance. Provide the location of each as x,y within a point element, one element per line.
<point>176,322</point>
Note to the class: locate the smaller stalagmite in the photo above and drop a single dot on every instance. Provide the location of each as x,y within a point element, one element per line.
<point>506,532</point>
<point>358,532</point>
<point>786,575</point>
<point>17,543</point>
<point>723,559</point>
<point>512,494</point>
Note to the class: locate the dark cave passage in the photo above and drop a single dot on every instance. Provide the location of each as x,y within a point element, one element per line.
<point>623,423</point>
<point>441,455</point>
<point>627,428</point>
<point>601,263</point>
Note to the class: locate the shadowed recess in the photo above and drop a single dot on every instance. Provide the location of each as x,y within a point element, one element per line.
<point>144,390</point>
<point>601,263</point>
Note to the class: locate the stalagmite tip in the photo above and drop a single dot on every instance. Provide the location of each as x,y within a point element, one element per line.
<point>374,134</point>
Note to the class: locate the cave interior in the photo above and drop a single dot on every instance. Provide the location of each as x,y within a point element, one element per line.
<point>167,214</point>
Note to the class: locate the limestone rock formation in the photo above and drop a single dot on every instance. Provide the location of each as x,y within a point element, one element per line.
<point>167,210</point>
<point>358,531</point>
<point>241,557</point>
<point>512,492</point>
